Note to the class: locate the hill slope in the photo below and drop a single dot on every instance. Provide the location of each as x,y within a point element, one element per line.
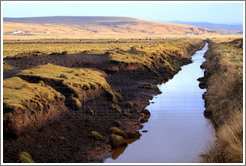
<point>220,28</point>
<point>94,26</point>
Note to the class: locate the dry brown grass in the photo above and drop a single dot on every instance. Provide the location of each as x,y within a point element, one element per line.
<point>6,66</point>
<point>224,97</point>
<point>10,50</point>
<point>228,148</point>
<point>224,38</point>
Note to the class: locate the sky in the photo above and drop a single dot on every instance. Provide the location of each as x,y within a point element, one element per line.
<point>222,13</point>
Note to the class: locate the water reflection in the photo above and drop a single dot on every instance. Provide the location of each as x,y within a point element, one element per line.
<point>177,130</point>
<point>118,151</point>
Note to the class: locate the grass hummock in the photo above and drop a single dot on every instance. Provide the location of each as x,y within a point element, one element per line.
<point>18,91</point>
<point>73,79</point>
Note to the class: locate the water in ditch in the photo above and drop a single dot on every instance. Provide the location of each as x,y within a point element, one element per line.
<point>177,131</point>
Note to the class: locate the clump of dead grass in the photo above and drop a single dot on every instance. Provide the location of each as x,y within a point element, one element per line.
<point>224,98</point>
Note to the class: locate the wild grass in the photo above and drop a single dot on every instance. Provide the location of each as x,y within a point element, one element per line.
<point>10,50</point>
<point>117,131</point>
<point>7,66</point>
<point>151,55</point>
<point>25,157</point>
<point>75,79</point>
<point>77,104</point>
<point>224,97</point>
<point>16,91</point>
<point>228,147</point>
<point>224,38</point>
<point>72,78</point>
<point>95,135</point>
<point>116,108</point>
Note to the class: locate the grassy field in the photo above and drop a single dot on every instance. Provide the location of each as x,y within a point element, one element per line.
<point>224,96</point>
<point>10,50</point>
<point>18,47</point>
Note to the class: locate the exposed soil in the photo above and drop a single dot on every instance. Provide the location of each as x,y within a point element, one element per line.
<point>65,139</point>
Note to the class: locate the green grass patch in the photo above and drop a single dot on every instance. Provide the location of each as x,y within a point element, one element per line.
<point>95,135</point>
<point>74,79</point>
<point>25,157</point>
<point>17,91</point>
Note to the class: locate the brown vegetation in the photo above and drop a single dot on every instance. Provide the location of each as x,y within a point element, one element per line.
<point>224,100</point>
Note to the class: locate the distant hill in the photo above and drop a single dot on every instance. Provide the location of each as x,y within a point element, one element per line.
<point>94,26</point>
<point>220,28</point>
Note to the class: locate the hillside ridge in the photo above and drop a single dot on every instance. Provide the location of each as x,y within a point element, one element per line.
<point>87,26</point>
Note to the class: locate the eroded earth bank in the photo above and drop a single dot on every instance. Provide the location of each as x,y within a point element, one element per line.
<point>63,107</point>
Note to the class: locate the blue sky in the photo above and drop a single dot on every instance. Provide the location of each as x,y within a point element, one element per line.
<point>228,13</point>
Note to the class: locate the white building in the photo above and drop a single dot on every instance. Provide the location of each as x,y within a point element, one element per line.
<point>17,32</point>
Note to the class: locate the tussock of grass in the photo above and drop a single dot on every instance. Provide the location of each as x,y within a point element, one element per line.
<point>25,157</point>
<point>77,104</point>
<point>96,135</point>
<point>116,107</point>
<point>84,78</point>
<point>74,79</point>
<point>228,148</point>
<point>224,98</point>
<point>116,141</point>
<point>90,111</point>
<point>117,131</point>
<point>156,54</point>
<point>17,91</point>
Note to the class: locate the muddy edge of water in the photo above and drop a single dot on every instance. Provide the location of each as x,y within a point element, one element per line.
<point>182,101</point>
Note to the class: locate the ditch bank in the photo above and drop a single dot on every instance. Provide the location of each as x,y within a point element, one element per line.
<point>68,137</point>
<point>224,100</point>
